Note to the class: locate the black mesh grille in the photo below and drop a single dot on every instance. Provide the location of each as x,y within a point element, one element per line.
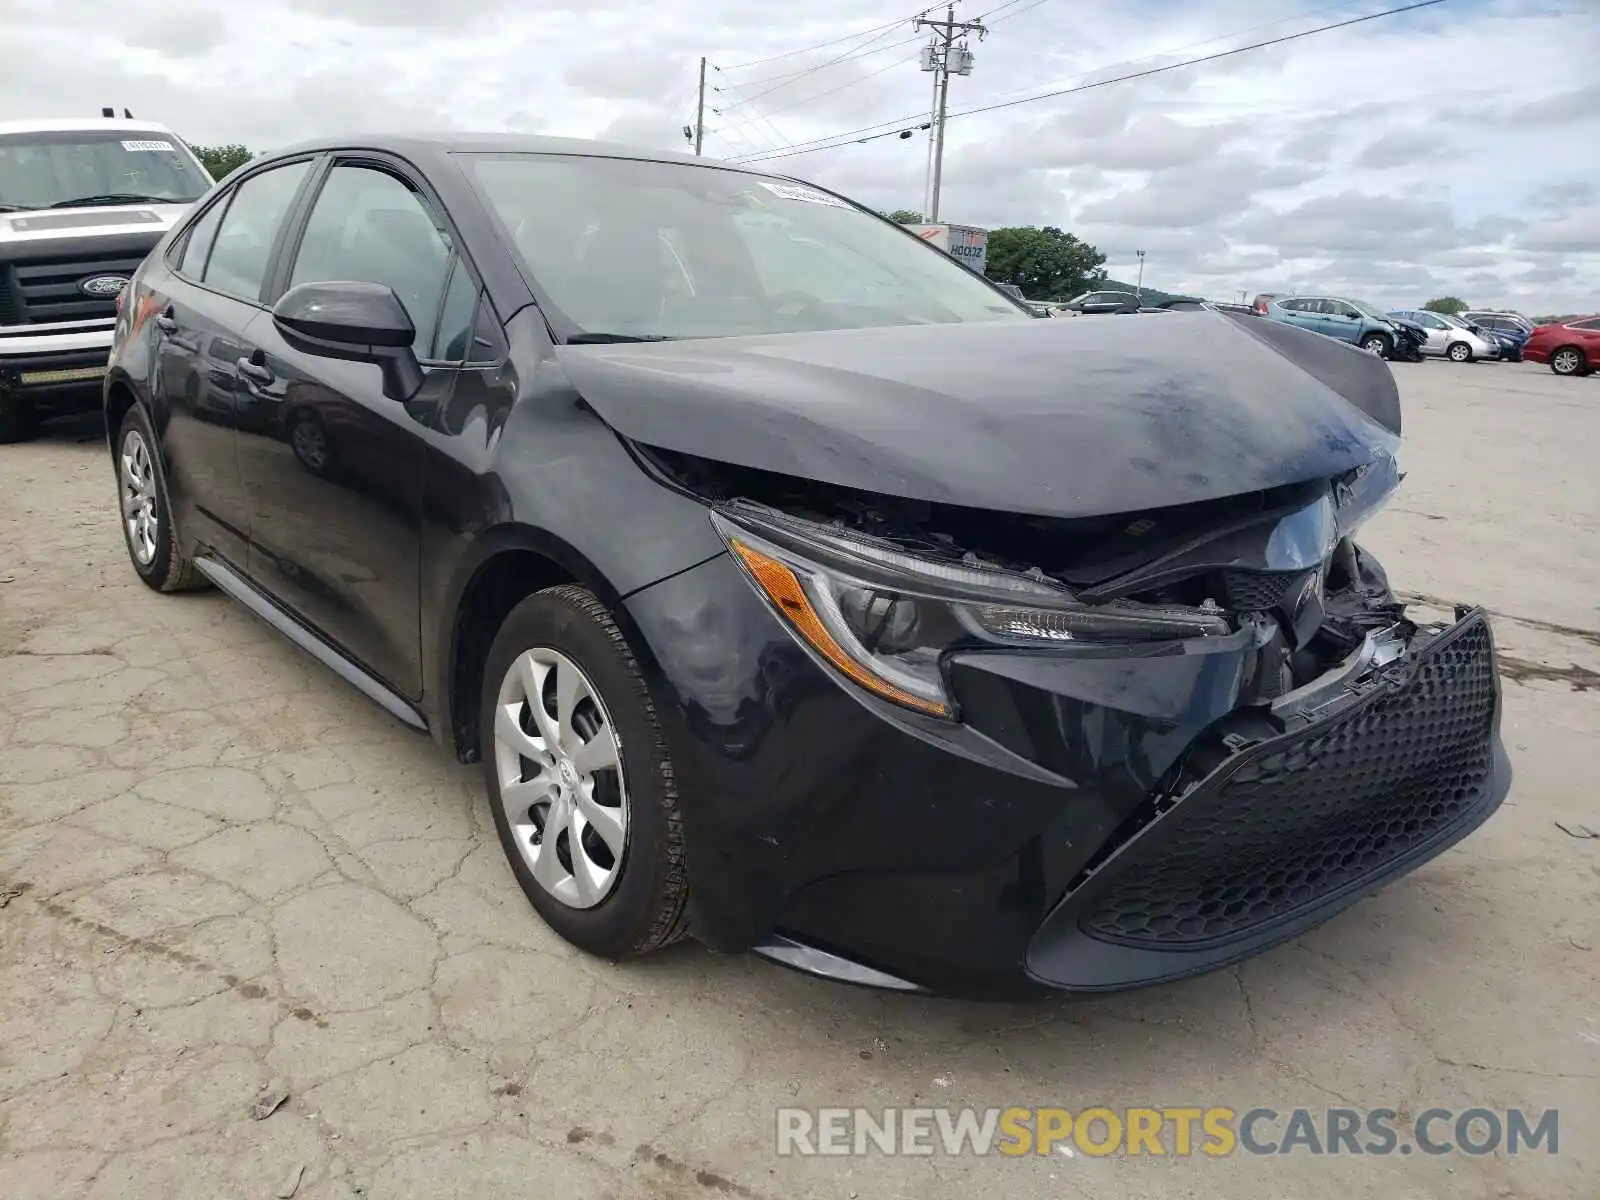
<point>1316,814</point>
<point>1259,591</point>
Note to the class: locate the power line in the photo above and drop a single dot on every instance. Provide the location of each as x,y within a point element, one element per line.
<point>833,144</point>
<point>784,81</point>
<point>756,62</point>
<point>849,83</point>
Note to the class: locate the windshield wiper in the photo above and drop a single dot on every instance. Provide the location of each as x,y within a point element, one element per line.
<point>122,198</point>
<point>596,339</point>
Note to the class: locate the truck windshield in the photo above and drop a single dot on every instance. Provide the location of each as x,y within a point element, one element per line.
<point>42,169</point>
<point>625,249</point>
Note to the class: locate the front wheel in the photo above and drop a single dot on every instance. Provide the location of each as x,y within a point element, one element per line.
<point>580,784</point>
<point>1376,343</point>
<point>1459,352</point>
<point>18,422</point>
<point>1567,361</point>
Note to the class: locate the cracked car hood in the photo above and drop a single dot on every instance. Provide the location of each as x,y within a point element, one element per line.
<point>1056,418</point>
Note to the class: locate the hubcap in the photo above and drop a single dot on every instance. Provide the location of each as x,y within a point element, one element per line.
<point>139,511</point>
<point>1566,361</point>
<point>1459,353</point>
<point>558,761</point>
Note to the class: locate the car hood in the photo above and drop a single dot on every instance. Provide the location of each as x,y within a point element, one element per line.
<point>108,220</point>
<point>1056,418</point>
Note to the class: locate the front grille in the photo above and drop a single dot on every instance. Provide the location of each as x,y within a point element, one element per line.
<point>37,293</point>
<point>1307,815</point>
<point>1259,591</point>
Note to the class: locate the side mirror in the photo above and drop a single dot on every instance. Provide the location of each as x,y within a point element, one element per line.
<point>354,321</point>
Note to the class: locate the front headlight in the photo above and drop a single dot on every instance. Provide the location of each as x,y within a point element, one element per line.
<point>885,618</point>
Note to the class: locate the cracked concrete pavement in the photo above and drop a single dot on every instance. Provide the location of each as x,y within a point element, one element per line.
<point>220,867</point>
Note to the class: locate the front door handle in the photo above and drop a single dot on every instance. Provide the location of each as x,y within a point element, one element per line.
<point>253,370</point>
<point>166,322</point>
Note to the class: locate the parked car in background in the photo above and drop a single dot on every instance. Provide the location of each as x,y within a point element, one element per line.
<point>81,204</point>
<point>864,620</point>
<point>1103,302</point>
<point>1511,330</point>
<point>1449,337</point>
<point>1351,321</point>
<point>1571,347</point>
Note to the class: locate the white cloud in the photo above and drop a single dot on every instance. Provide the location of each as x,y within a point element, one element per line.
<point>1444,149</point>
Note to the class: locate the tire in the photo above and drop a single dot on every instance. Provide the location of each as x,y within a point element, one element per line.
<point>641,903</point>
<point>1379,344</point>
<point>1458,352</point>
<point>154,546</point>
<point>1568,360</point>
<point>18,421</point>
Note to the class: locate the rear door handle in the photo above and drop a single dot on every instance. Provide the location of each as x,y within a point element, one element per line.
<point>254,371</point>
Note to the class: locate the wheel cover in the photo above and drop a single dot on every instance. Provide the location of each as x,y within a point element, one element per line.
<point>140,513</point>
<point>1373,345</point>
<point>1459,353</point>
<point>558,761</point>
<point>310,445</point>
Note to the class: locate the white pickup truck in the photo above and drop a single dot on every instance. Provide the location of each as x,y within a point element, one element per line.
<point>81,204</point>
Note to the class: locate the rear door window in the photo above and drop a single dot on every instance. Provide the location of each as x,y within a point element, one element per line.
<point>243,247</point>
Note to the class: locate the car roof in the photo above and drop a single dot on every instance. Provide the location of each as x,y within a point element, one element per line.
<point>434,145</point>
<point>82,125</point>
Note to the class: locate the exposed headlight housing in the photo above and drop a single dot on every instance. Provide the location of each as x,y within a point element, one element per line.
<point>885,618</point>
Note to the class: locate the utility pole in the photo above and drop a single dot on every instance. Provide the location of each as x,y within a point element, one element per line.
<point>700,109</point>
<point>943,56</point>
<point>1138,287</point>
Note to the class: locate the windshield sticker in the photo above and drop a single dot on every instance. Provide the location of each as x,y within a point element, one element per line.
<point>789,191</point>
<point>157,146</point>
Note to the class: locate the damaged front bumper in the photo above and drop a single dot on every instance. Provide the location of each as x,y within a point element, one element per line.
<point>1099,817</point>
<point>1264,834</point>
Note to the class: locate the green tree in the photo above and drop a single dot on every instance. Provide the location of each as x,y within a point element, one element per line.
<point>1047,264</point>
<point>905,216</point>
<point>219,160</point>
<point>1449,305</point>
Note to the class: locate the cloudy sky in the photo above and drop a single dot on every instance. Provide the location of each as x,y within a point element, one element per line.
<point>1455,149</point>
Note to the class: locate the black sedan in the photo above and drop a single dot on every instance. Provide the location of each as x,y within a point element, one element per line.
<point>795,589</point>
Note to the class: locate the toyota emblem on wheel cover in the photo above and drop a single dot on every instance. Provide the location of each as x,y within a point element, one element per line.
<point>103,285</point>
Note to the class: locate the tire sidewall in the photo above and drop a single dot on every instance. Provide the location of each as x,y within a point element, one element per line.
<point>626,919</point>
<point>156,571</point>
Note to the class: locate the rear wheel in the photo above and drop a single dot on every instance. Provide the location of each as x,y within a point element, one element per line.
<point>580,784</point>
<point>153,544</point>
<point>1458,352</point>
<point>1568,361</point>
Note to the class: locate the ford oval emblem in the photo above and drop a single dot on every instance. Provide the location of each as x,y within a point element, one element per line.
<point>103,285</point>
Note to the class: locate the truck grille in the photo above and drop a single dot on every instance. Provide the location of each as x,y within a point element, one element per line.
<point>1306,815</point>
<point>39,293</point>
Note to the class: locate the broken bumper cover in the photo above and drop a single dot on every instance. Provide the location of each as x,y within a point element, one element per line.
<point>1095,821</point>
<point>1390,772</point>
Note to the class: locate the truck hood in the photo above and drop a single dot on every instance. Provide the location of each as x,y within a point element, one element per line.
<point>108,220</point>
<point>1055,418</point>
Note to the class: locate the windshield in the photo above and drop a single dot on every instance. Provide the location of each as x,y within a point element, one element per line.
<point>1371,310</point>
<point>631,249</point>
<point>1448,319</point>
<point>38,170</point>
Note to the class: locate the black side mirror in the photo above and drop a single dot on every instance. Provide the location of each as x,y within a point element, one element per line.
<point>358,322</point>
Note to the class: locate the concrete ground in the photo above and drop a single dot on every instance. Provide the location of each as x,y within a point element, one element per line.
<point>220,868</point>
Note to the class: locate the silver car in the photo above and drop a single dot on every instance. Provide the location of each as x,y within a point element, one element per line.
<point>1448,337</point>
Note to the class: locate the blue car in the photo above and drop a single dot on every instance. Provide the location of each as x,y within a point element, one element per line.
<point>1352,321</point>
<point>1509,330</point>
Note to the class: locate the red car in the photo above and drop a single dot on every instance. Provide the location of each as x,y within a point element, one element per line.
<point>1570,347</point>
